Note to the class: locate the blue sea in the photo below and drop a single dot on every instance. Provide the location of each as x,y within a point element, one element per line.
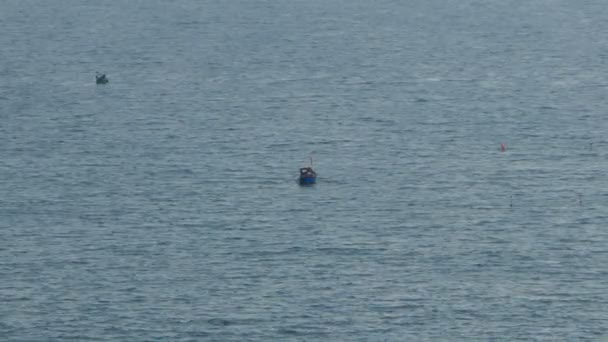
<point>164,205</point>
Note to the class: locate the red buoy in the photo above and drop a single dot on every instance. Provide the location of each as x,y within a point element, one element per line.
<point>503,147</point>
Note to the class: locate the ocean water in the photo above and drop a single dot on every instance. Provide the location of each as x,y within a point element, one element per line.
<point>163,206</point>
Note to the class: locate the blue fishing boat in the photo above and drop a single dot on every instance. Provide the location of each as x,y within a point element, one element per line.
<point>308,176</point>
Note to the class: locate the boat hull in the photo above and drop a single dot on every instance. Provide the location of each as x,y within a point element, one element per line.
<point>308,180</point>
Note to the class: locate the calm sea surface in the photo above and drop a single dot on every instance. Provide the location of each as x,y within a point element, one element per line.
<point>164,205</point>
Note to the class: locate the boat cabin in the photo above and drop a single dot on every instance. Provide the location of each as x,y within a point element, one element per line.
<point>307,172</point>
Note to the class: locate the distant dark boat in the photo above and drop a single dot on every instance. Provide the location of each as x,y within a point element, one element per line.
<point>101,79</point>
<point>308,176</point>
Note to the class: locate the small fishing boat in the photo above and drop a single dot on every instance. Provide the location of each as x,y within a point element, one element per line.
<point>308,176</point>
<point>101,79</point>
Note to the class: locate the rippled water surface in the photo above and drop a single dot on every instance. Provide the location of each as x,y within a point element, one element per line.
<point>163,205</point>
